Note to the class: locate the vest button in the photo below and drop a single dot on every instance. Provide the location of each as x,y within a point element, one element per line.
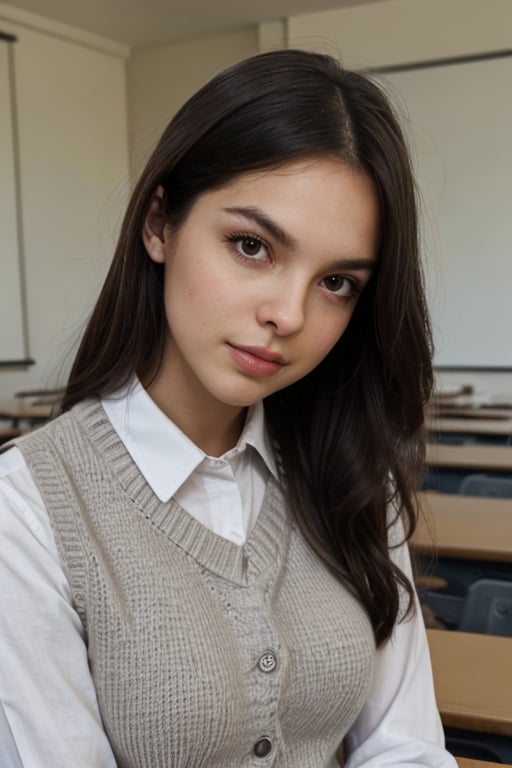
<point>267,662</point>
<point>262,747</point>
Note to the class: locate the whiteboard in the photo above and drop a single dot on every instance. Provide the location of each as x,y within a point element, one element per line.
<point>12,345</point>
<point>458,120</point>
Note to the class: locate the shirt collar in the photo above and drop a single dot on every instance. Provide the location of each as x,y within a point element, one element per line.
<point>151,438</point>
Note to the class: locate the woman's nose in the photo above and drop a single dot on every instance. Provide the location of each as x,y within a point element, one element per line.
<point>284,311</point>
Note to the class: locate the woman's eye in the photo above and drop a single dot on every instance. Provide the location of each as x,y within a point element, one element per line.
<point>248,247</point>
<point>341,286</point>
<point>252,248</point>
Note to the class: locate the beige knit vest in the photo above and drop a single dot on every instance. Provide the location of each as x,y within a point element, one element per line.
<point>204,654</point>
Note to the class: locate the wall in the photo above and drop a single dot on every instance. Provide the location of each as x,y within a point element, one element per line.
<point>161,78</point>
<point>73,150</point>
<point>407,31</point>
<point>75,102</point>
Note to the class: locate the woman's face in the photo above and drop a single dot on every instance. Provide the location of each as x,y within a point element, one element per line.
<point>261,281</point>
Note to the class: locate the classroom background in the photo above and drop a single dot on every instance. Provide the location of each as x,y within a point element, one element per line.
<point>83,100</point>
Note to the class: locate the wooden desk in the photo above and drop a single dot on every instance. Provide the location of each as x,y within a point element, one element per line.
<point>440,411</point>
<point>473,457</point>
<point>16,410</point>
<point>473,680</point>
<point>469,426</point>
<point>464,526</point>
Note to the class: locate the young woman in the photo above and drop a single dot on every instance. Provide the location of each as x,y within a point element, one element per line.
<point>204,558</point>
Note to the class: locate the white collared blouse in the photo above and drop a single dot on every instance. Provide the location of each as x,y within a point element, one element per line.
<point>50,712</point>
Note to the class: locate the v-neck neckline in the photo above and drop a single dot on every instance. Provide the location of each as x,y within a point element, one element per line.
<point>240,564</point>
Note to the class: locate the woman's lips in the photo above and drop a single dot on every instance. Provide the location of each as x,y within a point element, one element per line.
<point>257,361</point>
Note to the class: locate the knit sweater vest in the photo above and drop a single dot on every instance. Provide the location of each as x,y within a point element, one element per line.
<point>204,654</point>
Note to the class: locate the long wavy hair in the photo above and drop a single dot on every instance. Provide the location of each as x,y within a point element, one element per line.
<point>349,436</point>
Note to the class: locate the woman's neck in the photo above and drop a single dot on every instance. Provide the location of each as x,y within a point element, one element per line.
<point>214,427</point>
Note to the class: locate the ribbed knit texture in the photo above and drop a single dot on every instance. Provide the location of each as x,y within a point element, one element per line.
<point>177,618</point>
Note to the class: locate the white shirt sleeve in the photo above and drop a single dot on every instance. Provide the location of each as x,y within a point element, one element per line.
<point>46,690</point>
<point>399,725</point>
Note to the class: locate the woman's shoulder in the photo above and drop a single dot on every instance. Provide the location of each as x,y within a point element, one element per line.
<point>12,461</point>
<point>60,425</point>
<point>16,457</point>
<point>21,506</point>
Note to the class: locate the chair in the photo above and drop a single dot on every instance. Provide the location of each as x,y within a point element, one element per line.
<point>478,746</point>
<point>447,601</point>
<point>488,608</point>
<point>442,479</point>
<point>445,609</point>
<point>486,485</point>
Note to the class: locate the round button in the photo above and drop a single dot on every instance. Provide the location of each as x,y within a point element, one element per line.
<point>262,747</point>
<point>267,662</point>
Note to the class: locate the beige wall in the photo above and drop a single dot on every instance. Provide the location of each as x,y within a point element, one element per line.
<point>160,79</point>
<point>73,178</point>
<point>72,90</point>
<point>405,31</point>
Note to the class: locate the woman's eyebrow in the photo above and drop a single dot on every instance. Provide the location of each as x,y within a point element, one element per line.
<point>258,216</point>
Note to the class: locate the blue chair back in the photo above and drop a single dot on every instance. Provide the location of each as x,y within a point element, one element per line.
<point>488,608</point>
<point>486,485</point>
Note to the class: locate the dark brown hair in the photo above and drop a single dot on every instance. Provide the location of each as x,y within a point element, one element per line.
<point>349,435</point>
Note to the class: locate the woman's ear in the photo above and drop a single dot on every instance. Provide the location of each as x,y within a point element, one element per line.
<point>154,229</point>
